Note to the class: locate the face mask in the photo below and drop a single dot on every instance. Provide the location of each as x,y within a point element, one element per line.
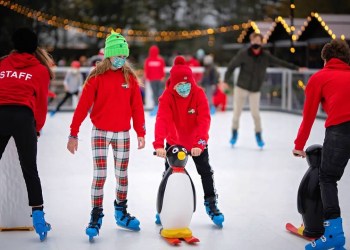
<point>256,46</point>
<point>75,71</point>
<point>183,89</point>
<point>118,62</point>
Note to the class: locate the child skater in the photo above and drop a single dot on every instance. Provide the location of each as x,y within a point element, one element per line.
<point>112,89</point>
<point>184,118</point>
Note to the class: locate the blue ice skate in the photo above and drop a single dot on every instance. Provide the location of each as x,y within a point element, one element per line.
<point>158,222</point>
<point>40,225</point>
<point>124,219</point>
<point>234,137</point>
<point>154,111</point>
<point>95,223</point>
<point>212,110</point>
<point>259,140</point>
<point>214,213</point>
<point>333,237</point>
<point>52,113</point>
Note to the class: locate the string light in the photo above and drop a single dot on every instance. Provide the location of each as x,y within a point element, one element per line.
<point>98,31</point>
<point>318,18</point>
<point>301,84</point>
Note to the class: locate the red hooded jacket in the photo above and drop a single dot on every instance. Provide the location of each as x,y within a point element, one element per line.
<point>183,121</point>
<point>24,81</point>
<point>114,102</point>
<point>330,87</point>
<point>154,65</point>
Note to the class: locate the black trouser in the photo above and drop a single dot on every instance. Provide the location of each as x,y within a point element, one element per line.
<point>335,156</point>
<point>18,122</point>
<point>204,170</point>
<point>65,98</point>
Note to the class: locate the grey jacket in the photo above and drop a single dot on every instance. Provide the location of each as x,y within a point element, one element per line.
<point>253,68</point>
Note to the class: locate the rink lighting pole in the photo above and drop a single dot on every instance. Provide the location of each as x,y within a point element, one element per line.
<point>292,27</point>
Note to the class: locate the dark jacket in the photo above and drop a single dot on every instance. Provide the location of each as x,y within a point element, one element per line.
<point>253,68</point>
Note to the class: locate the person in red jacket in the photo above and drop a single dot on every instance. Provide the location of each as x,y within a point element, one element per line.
<point>24,83</point>
<point>154,72</point>
<point>330,87</point>
<point>183,118</point>
<point>112,90</point>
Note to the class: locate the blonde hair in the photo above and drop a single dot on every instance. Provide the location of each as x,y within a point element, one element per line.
<point>102,67</point>
<point>45,59</point>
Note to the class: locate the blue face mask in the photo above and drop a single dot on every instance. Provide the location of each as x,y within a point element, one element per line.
<point>118,62</point>
<point>183,89</point>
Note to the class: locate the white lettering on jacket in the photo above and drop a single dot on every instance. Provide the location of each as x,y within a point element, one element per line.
<point>154,64</point>
<point>15,74</point>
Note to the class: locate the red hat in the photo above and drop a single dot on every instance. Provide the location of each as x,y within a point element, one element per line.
<point>75,64</point>
<point>180,72</point>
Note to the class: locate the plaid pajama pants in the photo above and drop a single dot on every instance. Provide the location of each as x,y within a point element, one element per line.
<point>100,141</point>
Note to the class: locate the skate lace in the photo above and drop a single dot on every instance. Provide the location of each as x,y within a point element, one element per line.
<point>213,210</point>
<point>127,216</point>
<point>94,220</point>
<point>323,239</point>
<point>326,223</point>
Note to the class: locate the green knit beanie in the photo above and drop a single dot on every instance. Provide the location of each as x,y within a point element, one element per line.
<point>116,45</point>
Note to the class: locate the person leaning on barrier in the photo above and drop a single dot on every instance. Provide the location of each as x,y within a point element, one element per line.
<point>253,62</point>
<point>24,83</point>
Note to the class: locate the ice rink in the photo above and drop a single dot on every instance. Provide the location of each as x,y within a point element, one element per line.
<point>257,189</point>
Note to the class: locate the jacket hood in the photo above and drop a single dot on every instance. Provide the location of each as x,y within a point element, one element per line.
<point>22,60</point>
<point>336,63</point>
<point>153,51</point>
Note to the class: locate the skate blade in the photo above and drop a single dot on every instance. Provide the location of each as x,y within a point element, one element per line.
<point>136,229</point>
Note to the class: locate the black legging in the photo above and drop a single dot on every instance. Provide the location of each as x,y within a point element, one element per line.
<point>335,156</point>
<point>18,122</point>
<point>65,98</point>
<point>204,170</point>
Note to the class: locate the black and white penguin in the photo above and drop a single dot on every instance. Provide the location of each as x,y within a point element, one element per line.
<point>176,201</point>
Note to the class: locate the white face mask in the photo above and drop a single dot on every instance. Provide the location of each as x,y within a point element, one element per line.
<point>75,71</point>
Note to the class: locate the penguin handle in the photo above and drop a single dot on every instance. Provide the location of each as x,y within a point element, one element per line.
<point>155,153</point>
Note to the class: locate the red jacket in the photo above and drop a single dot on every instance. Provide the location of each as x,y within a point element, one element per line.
<point>25,81</point>
<point>194,63</point>
<point>114,104</point>
<point>330,87</point>
<point>183,121</point>
<point>154,65</point>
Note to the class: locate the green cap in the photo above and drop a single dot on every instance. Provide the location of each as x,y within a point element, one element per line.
<point>116,45</point>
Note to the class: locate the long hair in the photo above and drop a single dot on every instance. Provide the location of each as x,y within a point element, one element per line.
<point>45,59</point>
<point>106,64</point>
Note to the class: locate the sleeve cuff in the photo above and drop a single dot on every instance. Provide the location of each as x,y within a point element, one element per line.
<point>74,133</point>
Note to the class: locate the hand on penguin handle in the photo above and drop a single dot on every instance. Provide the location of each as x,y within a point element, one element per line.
<point>196,151</point>
<point>299,153</point>
<point>160,152</point>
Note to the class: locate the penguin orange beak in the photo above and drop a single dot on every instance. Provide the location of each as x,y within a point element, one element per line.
<point>181,156</point>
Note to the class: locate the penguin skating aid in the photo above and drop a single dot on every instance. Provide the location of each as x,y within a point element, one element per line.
<point>176,188</point>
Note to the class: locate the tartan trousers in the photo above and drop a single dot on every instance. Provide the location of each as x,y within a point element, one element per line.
<point>100,141</point>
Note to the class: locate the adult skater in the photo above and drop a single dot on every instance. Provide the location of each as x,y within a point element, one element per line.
<point>253,62</point>
<point>183,118</point>
<point>112,89</point>
<point>24,83</point>
<point>154,72</point>
<point>330,87</point>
